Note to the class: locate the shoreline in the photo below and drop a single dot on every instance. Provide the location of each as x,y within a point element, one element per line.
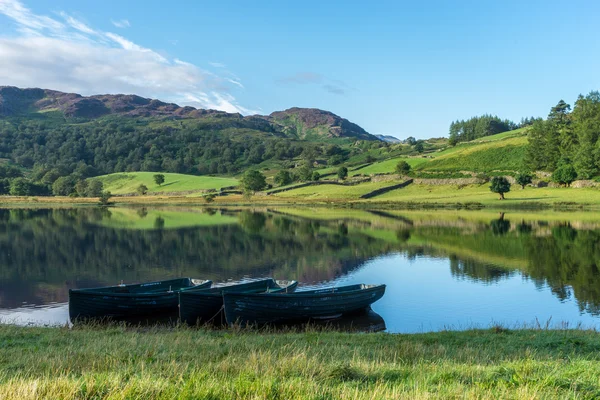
<point>182,362</point>
<point>264,201</point>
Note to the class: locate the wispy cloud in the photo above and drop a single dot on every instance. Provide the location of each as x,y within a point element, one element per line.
<point>332,86</point>
<point>67,54</point>
<point>121,23</point>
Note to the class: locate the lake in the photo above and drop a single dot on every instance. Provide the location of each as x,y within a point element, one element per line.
<point>443,269</point>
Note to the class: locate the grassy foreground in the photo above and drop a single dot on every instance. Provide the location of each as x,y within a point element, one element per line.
<point>118,363</point>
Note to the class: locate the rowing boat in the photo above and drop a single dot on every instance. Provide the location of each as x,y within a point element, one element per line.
<point>130,301</point>
<point>205,305</point>
<point>264,308</point>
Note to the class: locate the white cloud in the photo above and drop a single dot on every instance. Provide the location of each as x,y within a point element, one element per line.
<point>74,57</point>
<point>121,23</point>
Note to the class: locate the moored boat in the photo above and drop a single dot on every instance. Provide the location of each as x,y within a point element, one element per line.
<point>263,308</point>
<point>204,305</point>
<point>130,301</point>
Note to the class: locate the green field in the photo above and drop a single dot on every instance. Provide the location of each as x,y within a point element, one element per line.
<point>160,363</point>
<point>482,194</point>
<point>387,166</point>
<point>122,183</point>
<point>324,192</point>
<point>419,193</point>
<point>495,155</point>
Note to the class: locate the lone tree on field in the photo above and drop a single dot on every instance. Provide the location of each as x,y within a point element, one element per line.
<point>523,179</point>
<point>253,181</point>
<point>142,189</point>
<point>159,179</point>
<point>500,185</point>
<point>402,168</point>
<point>342,173</point>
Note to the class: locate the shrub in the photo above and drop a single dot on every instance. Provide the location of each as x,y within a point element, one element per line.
<point>402,168</point>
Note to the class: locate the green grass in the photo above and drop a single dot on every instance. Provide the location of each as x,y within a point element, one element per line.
<point>447,194</point>
<point>387,166</point>
<point>122,183</point>
<point>498,155</point>
<point>117,363</point>
<point>482,194</point>
<point>324,192</point>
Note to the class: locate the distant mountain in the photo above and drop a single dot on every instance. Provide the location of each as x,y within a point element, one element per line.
<point>388,138</point>
<point>302,123</point>
<point>311,121</point>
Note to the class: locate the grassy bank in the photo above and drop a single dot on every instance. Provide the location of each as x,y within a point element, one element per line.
<point>183,363</point>
<point>450,196</point>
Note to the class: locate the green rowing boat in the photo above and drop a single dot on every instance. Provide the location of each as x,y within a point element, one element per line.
<point>260,308</point>
<point>198,306</point>
<point>130,301</point>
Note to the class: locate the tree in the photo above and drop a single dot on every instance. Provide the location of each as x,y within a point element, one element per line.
<point>81,187</point>
<point>142,189</point>
<point>63,186</point>
<point>316,176</point>
<point>411,141</point>
<point>565,174</point>
<point>20,187</point>
<point>402,168</point>
<point>104,198</point>
<point>524,178</point>
<point>419,147</point>
<point>305,172</point>
<point>500,185</point>
<point>95,188</point>
<point>159,179</point>
<point>283,178</point>
<point>252,181</point>
<point>342,173</point>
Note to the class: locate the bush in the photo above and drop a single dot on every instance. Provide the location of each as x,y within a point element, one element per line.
<point>342,173</point>
<point>209,198</point>
<point>142,189</point>
<point>402,168</point>
<point>316,176</point>
<point>104,199</point>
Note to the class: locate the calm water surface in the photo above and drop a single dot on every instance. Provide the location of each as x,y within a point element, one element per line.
<point>442,269</point>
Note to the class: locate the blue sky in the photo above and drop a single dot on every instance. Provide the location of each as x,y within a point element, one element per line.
<point>397,68</point>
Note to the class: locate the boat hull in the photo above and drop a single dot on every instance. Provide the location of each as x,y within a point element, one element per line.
<point>260,309</point>
<point>205,306</point>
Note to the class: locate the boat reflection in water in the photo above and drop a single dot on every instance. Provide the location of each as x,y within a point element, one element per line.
<point>362,321</point>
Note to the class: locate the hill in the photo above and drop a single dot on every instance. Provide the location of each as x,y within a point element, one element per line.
<point>296,122</point>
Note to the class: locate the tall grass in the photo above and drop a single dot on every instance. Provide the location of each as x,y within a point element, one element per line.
<point>160,363</point>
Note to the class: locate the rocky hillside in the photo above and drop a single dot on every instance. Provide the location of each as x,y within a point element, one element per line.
<point>311,121</point>
<point>299,122</point>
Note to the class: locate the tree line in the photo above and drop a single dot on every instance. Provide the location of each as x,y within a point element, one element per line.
<point>567,142</point>
<point>478,127</point>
